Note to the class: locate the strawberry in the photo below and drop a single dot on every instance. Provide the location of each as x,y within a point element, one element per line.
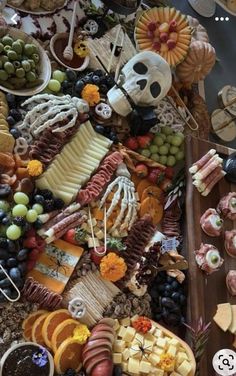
<point>132,143</point>
<point>144,141</point>
<point>30,242</point>
<point>169,172</point>
<point>33,255</point>
<point>75,236</point>
<point>141,170</point>
<point>172,25</point>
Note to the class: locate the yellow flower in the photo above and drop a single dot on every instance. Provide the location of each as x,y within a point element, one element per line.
<point>167,362</point>
<point>81,333</point>
<point>81,49</point>
<point>90,93</point>
<point>35,168</point>
<point>112,267</point>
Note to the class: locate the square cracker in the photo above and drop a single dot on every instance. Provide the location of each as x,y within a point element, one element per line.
<point>7,142</point>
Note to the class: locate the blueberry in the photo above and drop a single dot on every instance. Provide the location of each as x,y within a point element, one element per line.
<point>167,302</point>
<point>38,224</point>
<point>87,80</point>
<point>22,254</point>
<point>12,262</point>
<point>66,85</point>
<point>170,279</point>
<point>11,99</point>
<point>166,293</point>
<point>19,282</point>
<point>2,215</point>
<point>22,268</point>
<point>98,72</point>
<point>11,246</point>
<point>15,132</point>
<point>5,283</point>
<point>99,129</point>
<point>3,254</point>
<point>175,296</point>
<point>58,203</point>
<point>3,263</point>
<point>79,87</point>
<point>6,221</point>
<point>113,137</point>
<point>11,121</point>
<point>39,199</point>
<point>168,287</point>
<point>175,285</point>
<point>182,299</point>
<point>15,114</point>
<point>103,89</point>
<point>14,273</point>
<point>2,275</point>
<point>96,80</point>
<point>3,243</point>
<point>48,205</point>
<point>71,75</point>
<point>117,371</point>
<point>46,193</point>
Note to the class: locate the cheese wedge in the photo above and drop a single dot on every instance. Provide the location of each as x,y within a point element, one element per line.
<point>223,316</point>
<point>232,327</point>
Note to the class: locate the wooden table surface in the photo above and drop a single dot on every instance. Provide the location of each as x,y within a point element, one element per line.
<point>205,292</point>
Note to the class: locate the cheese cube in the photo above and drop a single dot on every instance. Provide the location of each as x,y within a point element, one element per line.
<point>116,325</point>
<point>84,226</point>
<point>133,365</point>
<point>121,331</point>
<point>161,342</point>
<point>92,223</point>
<point>144,367</point>
<point>135,352</point>
<point>172,350</point>
<point>154,359</point>
<point>181,356</point>
<point>125,366</point>
<point>150,337</point>
<point>125,322</point>
<point>119,346</point>
<point>99,234</point>
<point>158,333</point>
<point>117,358</point>
<point>129,334</point>
<point>148,345</point>
<point>157,372</point>
<point>138,338</point>
<point>93,242</point>
<point>152,330</point>
<point>134,318</point>
<point>123,234</point>
<point>184,368</point>
<point>158,350</point>
<point>174,342</point>
<point>125,354</point>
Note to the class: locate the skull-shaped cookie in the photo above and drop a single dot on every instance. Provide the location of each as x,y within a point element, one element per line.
<point>146,79</point>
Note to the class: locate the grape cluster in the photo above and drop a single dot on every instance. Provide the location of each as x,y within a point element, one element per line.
<point>75,83</point>
<point>46,199</point>
<point>13,259</point>
<point>168,300</point>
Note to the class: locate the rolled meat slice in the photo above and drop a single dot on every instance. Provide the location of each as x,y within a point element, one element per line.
<point>202,184</point>
<point>230,242</point>
<point>213,183</point>
<point>227,206</point>
<point>211,223</point>
<point>208,258</point>
<point>231,282</point>
<point>214,162</point>
<point>199,164</point>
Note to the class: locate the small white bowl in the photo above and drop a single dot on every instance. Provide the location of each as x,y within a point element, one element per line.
<point>64,36</point>
<point>9,351</point>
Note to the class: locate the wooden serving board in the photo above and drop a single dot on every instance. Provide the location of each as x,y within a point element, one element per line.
<point>205,292</point>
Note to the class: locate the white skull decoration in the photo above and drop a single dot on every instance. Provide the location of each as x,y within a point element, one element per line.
<point>146,78</point>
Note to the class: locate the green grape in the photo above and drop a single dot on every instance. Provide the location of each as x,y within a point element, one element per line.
<point>169,138</point>
<point>38,208</point>
<point>146,153</point>
<point>163,159</point>
<point>54,85</point>
<point>21,198</point>
<point>158,140</point>
<point>155,157</point>
<point>167,145</point>
<point>59,76</point>
<point>171,161</point>
<point>4,205</point>
<point>179,134</point>
<point>13,232</point>
<point>166,130</point>
<point>163,150</point>
<point>153,149</point>
<point>173,150</point>
<point>179,156</point>
<point>19,210</point>
<point>31,216</point>
<point>163,136</point>
<point>177,141</point>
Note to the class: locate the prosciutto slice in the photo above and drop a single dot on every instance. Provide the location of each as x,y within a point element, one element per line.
<point>230,242</point>
<point>231,282</point>
<point>227,206</point>
<point>208,258</point>
<point>211,223</point>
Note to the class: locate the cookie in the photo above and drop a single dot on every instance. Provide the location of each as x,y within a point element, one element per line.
<point>4,128</point>
<point>4,122</point>
<point>2,116</point>
<point>3,97</point>
<point>4,110</point>
<point>7,142</point>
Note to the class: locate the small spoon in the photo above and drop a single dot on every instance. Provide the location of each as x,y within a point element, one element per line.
<point>68,51</point>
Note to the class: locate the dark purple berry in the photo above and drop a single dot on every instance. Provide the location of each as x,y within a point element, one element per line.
<point>19,221</point>
<point>15,132</point>
<point>48,205</point>
<point>39,199</point>
<point>46,194</point>
<point>15,114</point>
<point>99,129</point>
<point>11,121</point>
<point>103,89</point>
<point>58,203</point>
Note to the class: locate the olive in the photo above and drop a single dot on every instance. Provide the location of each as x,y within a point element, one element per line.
<point>7,48</point>
<point>21,42</point>
<point>30,76</point>
<point>28,49</point>
<point>36,58</point>
<point>32,63</point>
<point>3,75</point>
<point>7,40</point>
<point>20,73</point>
<point>167,302</point>
<point>9,67</point>
<point>26,65</point>
<point>117,371</point>
<point>4,59</point>
<point>17,47</point>
<point>16,64</point>
<point>5,190</point>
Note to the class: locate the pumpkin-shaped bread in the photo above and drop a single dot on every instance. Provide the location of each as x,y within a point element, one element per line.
<point>198,63</point>
<point>198,31</point>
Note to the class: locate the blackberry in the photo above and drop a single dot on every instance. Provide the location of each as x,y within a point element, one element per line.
<point>3,243</point>
<point>46,194</point>
<point>58,203</point>
<point>19,221</point>
<point>48,205</point>
<point>70,372</point>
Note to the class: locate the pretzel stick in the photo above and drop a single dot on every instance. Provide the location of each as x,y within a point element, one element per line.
<point>120,58</point>
<point>114,48</point>
<point>91,228</point>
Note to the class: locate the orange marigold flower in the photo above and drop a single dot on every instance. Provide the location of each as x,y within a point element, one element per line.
<point>142,324</point>
<point>167,362</point>
<point>90,93</point>
<point>35,168</point>
<point>112,267</point>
